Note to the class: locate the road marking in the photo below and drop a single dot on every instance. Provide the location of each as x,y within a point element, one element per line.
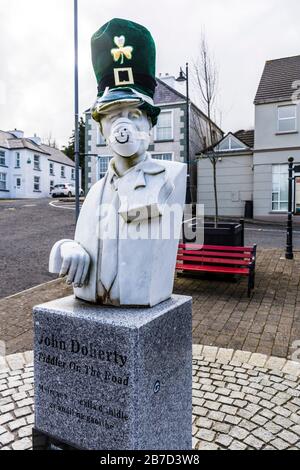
<point>29,205</point>
<point>62,206</point>
<point>269,230</point>
<point>10,209</point>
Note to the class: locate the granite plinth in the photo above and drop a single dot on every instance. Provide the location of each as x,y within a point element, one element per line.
<point>109,378</point>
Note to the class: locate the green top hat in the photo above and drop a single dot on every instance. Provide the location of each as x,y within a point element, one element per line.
<point>123,55</point>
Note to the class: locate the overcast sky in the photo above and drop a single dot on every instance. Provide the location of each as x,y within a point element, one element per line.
<point>36,52</point>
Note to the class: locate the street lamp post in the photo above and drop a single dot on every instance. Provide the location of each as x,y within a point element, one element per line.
<point>76,101</point>
<point>184,77</point>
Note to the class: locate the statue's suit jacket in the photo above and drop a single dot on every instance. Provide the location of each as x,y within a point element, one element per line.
<point>145,267</point>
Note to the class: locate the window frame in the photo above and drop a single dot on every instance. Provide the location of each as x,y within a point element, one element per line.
<point>165,111</point>
<point>18,160</point>
<point>62,171</point>
<point>100,140</point>
<point>278,193</point>
<point>36,183</point>
<point>51,169</point>
<point>108,158</point>
<point>73,174</point>
<point>279,119</point>
<point>37,167</point>
<point>3,156</point>
<point>163,153</point>
<point>3,180</point>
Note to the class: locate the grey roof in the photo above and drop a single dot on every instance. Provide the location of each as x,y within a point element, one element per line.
<point>166,94</point>
<point>277,80</point>
<point>56,155</point>
<point>10,142</point>
<point>247,137</point>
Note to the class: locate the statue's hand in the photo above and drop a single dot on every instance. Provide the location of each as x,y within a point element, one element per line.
<point>75,263</point>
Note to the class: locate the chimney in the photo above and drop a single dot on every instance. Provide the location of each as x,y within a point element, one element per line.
<point>169,80</point>
<point>17,133</point>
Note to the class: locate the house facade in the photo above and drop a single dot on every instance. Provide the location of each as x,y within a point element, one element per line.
<point>168,137</point>
<point>234,153</point>
<point>30,169</point>
<point>258,170</point>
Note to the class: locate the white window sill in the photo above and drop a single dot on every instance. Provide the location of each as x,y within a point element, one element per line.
<point>286,132</point>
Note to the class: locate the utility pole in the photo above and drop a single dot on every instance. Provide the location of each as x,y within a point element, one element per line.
<point>76,101</point>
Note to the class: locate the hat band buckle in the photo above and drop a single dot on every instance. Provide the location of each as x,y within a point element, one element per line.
<point>119,81</point>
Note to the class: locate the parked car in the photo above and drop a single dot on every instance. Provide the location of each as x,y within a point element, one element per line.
<point>67,189</point>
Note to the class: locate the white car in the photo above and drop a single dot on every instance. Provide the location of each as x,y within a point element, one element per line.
<point>67,189</point>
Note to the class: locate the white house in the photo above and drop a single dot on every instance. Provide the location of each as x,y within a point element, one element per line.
<point>29,169</point>
<point>253,165</point>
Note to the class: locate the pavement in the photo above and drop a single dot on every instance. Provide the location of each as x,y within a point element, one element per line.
<point>29,229</point>
<point>223,315</point>
<point>241,401</point>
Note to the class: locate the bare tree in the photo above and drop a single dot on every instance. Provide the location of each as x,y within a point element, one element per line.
<point>205,76</point>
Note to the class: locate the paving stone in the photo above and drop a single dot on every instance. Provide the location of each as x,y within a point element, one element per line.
<point>6,438</point>
<point>241,356</point>
<point>279,444</point>
<point>237,445</point>
<point>23,444</point>
<point>223,391</point>
<point>205,423</point>
<point>27,431</point>
<point>224,440</point>
<point>200,411</point>
<point>259,420</point>
<point>16,424</point>
<point>221,427</point>
<point>19,412</point>
<point>211,405</point>
<point>247,425</point>
<point>283,422</point>
<point>216,416</point>
<point>239,433</point>
<point>207,446</point>
<point>289,437</point>
<point>292,368</point>
<point>258,360</point>
<point>6,418</point>
<point>6,408</point>
<point>254,442</point>
<point>275,363</point>
<point>206,435</point>
<point>263,435</point>
<point>225,354</point>
<point>235,420</point>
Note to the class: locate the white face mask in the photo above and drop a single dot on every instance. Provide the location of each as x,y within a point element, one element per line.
<point>125,139</point>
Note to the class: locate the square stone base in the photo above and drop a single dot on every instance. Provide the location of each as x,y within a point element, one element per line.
<point>110,378</point>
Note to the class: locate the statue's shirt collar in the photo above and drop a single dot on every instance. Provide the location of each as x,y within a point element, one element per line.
<point>147,166</point>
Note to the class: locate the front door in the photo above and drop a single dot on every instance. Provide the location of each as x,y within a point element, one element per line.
<point>17,186</point>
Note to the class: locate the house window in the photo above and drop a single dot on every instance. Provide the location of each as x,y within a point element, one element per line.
<point>36,163</point>
<point>2,181</point>
<point>73,173</point>
<point>2,159</point>
<point>280,188</point>
<point>51,185</point>
<point>62,172</point>
<point>18,183</point>
<point>51,168</point>
<point>287,118</point>
<point>18,160</point>
<point>229,144</point>
<point>103,162</point>
<point>36,183</point>
<point>162,156</point>
<point>100,138</point>
<point>164,127</point>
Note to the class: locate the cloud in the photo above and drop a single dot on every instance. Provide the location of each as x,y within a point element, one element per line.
<point>36,50</point>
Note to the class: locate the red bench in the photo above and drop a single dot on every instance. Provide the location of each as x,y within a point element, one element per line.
<point>218,259</point>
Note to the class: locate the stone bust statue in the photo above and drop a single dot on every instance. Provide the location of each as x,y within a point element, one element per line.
<point>125,246</point>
